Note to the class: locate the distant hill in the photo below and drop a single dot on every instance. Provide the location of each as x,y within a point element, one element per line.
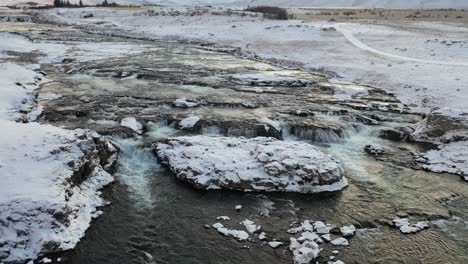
<point>404,4</point>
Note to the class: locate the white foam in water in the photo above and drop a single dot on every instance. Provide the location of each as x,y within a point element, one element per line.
<point>350,152</point>
<point>161,130</point>
<point>136,168</point>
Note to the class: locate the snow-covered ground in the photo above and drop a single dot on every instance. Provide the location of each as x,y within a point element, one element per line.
<point>286,3</point>
<point>423,63</point>
<point>46,204</point>
<point>42,206</point>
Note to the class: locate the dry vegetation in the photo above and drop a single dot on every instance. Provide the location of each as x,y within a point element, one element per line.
<point>271,12</point>
<point>445,15</point>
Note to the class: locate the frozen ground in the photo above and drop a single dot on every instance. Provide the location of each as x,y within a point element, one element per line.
<point>288,3</point>
<point>43,207</point>
<point>423,63</point>
<point>47,200</point>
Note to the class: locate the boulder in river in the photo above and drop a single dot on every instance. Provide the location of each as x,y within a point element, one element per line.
<point>257,164</point>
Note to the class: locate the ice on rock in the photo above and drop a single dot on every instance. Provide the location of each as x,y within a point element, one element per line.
<point>132,123</point>
<point>401,222</point>
<point>326,237</point>
<point>347,231</point>
<point>422,225</point>
<point>251,226</point>
<point>275,244</point>
<point>321,228</point>
<point>184,103</point>
<point>305,252</point>
<point>305,226</point>
<point>406,228</point>
<point>309,236</point>
<point>449,158</point>
<point>336,262</point>
<point>262,236</point>
<point>341,241</point>
<point>44,178</point>
<point>237,234</point>
<point>275,124</point>
<point>189,122</point>
<point>240,164</point>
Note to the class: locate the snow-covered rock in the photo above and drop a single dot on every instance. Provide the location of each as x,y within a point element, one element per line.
<point>341,241</point>
<point>238,207</point>
<point>347,231</point>
<point>336,262</point>
<point>50,180</point>
<point>259,164</point>
<point>251,226</point>
<point>17,90</point>
<point>262,236</point>
<point>189,122</point>
<point>305,226</point>
<point>275,124</point>
<point>401,222</point>
<point>132,123</point>
<point>275,244</point>
<point>407,228</point>
<point>451,158</point>
<point>322,228</point>
<point>223,217</point>
<point>237,234</point>
<point>185,103</point>
<point>309,236</point>
<point>303,253</point>
<point>326,237</point>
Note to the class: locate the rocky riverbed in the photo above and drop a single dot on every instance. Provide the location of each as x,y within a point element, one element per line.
<point>172,94</point>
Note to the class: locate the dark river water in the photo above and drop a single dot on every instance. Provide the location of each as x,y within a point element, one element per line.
<point>155,219</point>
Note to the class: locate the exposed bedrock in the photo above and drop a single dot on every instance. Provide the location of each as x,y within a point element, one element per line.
<point>257,164</point>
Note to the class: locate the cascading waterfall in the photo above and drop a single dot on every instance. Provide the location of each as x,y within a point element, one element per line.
<point>136,168</point>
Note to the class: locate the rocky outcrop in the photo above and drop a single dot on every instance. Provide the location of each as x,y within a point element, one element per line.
<point>257,164</point>
<point>62,171</point>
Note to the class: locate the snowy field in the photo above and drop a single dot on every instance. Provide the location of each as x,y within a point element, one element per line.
<point>423,63</point>
<point>286,3</point>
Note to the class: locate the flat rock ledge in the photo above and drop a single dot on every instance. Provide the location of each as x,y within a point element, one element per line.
<point>257,164</point>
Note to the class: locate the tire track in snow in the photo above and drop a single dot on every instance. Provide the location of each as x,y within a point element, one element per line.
<point>359,44</point>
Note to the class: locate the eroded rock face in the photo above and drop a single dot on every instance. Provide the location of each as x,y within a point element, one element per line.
<point>63,172</point>
<point>258,164</point>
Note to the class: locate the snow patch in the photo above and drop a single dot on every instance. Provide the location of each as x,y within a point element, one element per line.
<point>133,124</point>
<point>189,122</point>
